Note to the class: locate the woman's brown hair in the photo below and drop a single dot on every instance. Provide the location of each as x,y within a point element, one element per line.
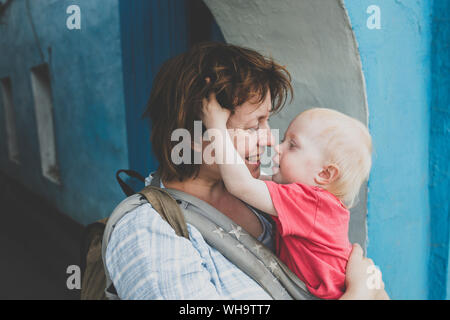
<point>236,75</point>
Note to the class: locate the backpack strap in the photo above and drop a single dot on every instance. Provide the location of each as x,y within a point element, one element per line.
<point>126,188</point>
<point>167,207</point>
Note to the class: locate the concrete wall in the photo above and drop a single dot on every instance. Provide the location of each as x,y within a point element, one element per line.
<point>88,101</point>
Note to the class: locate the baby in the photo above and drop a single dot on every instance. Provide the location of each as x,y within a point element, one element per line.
<point>321,164</point>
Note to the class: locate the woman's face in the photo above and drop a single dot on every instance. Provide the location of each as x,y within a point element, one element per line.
<point>249,129</point>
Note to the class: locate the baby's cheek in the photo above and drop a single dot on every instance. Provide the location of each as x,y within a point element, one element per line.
<point>292,169</point>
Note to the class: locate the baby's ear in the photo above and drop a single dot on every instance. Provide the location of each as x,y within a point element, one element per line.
<point>328,175</point>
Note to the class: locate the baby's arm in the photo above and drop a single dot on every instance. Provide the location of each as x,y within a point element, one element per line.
<point>235,173</point>
<point>237,177</point>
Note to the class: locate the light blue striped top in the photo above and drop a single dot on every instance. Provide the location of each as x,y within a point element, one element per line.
<point>147,260</point>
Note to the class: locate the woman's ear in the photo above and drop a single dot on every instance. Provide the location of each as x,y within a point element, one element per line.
<point>328,175</point>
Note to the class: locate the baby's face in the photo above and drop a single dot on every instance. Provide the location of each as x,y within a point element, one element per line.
<point>300,156</point>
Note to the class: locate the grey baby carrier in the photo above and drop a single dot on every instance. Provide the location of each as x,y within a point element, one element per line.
<point>248,254</point>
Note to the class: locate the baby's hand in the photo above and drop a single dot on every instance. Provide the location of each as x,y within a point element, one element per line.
<point>214,116</point>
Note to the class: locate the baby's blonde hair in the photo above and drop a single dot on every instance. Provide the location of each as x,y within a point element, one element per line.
<point>348,145</point>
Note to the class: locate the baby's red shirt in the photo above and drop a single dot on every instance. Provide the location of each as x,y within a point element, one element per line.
<point>312,236</point>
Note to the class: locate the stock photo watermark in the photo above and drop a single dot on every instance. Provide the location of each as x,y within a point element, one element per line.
<point>243,139</point>
<point>374,20</point>
<point>74,279</point>
<point>73,22</point>
<point>374,280</point>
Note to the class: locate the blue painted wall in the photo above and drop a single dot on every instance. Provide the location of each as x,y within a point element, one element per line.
<point>440,153</point>
<point>89,114</point>
<point>396,62</point>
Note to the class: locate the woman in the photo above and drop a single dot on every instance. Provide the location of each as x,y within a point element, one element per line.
<point>145,259</point>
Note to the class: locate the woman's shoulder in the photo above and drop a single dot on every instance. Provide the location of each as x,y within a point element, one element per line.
<point>141,216</point>
<point>144,218</point>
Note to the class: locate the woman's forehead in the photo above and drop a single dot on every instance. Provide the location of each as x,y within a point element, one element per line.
<point>250,112</point>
